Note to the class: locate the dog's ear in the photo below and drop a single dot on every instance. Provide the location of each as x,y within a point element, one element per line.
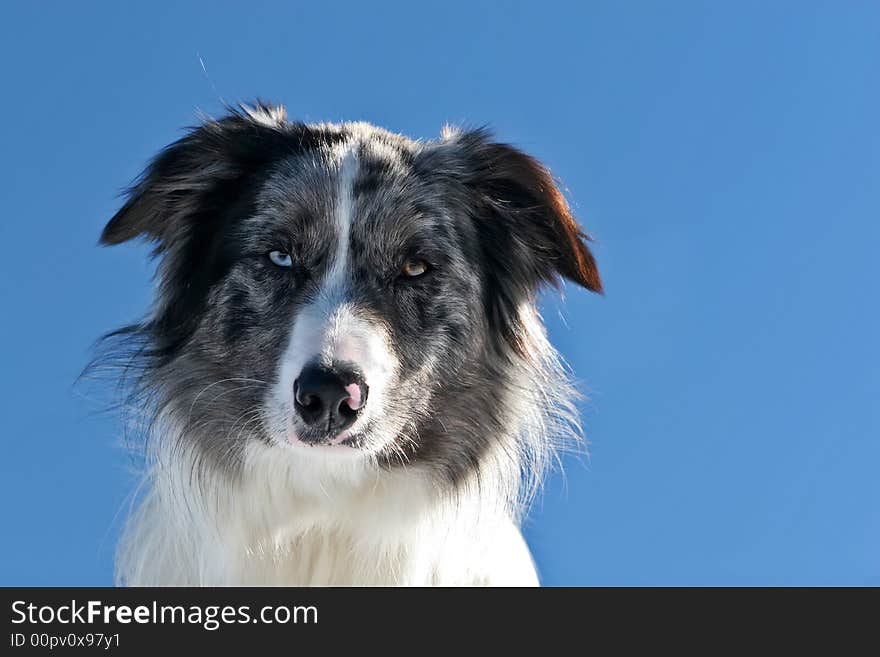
<point>525,211</point>
<point>527,232</point>
<point>214,156</point>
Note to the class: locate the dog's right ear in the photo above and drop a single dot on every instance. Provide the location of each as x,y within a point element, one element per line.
<point>219,154</point>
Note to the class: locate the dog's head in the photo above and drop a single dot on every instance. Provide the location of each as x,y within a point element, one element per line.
<point>344,288</point>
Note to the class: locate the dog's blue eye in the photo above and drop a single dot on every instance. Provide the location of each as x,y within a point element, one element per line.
<point>281,259</point>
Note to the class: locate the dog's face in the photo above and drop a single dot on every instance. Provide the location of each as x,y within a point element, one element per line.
<point>344,289</point>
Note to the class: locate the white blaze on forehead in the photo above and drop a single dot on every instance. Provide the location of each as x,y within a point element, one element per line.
<point>343,215</point>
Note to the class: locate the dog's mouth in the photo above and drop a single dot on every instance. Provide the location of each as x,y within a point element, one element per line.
<point>344,441</point>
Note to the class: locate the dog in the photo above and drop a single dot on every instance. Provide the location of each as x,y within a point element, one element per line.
<point>344,376</point>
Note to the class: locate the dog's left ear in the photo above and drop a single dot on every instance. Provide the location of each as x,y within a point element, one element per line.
<point>526,234</point>
<point>526,224</point>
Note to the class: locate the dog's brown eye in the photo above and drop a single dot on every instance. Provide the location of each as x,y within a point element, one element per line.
<point>413,268</point>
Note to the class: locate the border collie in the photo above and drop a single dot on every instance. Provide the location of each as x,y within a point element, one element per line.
<point>344,374</point>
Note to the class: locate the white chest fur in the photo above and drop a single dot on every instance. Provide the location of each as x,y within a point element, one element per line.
<point>335,525</point>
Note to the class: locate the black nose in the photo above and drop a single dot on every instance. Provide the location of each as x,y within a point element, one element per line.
<point>325,399</point>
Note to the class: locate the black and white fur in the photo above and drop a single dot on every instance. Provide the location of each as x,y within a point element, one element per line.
<point>283,245</point>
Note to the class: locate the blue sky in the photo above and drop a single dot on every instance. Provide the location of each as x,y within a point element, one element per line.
<point>725,155</point>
